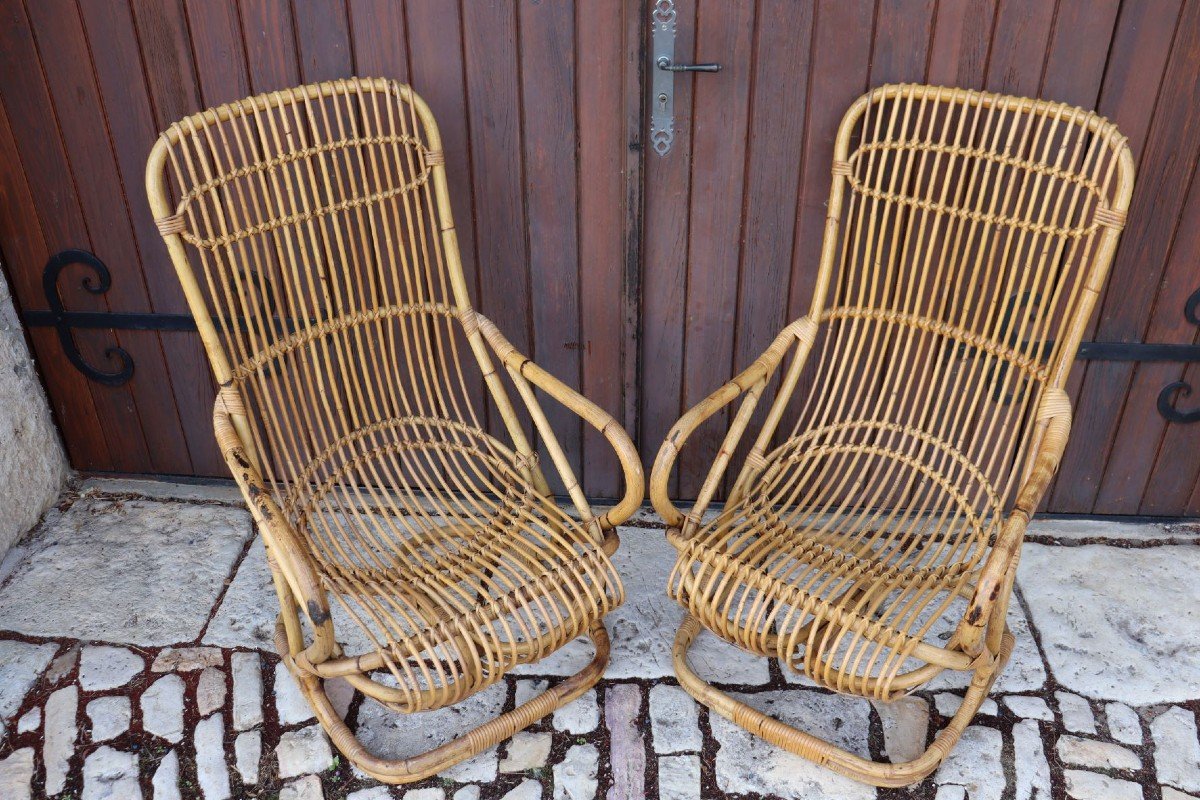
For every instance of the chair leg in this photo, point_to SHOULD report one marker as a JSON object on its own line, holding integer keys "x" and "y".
{"x": 820, "y": 751}
{"x": 419, "y": 767}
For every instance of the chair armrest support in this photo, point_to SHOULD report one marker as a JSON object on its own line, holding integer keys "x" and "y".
{"x": 983, "y": 615}
{"x": 598, "y": 418}
{"x": 283, "y": 544}
{"x": 803, "y": 329}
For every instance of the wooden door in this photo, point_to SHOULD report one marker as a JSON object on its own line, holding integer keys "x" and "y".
{"x": 645, "y": 280}
{"x": 537, "y": 104}
{"x": 734, "y": 211}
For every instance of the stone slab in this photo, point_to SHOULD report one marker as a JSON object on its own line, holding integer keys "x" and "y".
{"x": 110, "y": 717}
{"x": 60, "y": 733}
{"x": 88, "y": 574}
{"x": 16, "y": 774}
{"x": 748, "y": 765}
{"x": 575, "y": 775}
{"x": 1082, "y": 785}
{"x": 975, "y": 764}
{"x": 110, "y": 774}
{"x": 303, "y": 752}
{"x": 20, "y": 666}
{"x": 165, "y": 782}
{"x": 643, "y": 629}
{"x": 389, "y": 734}
{"x": 679, "y": 777}
{"x": 223, "y": 491}
{"x": 1101, "y": 530}
{"x": 162, "y": 708}
{"x": 1024, "y": 671}
{"x": 1109, "y": 639}
{"x": 674, "y": 720}
{"x": 1177, "y": 749}
{"x": 108, "y": 667}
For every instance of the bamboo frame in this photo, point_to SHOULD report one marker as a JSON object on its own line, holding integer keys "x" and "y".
{"x": 325, "y": 278}
{"x": 968, "y": 236}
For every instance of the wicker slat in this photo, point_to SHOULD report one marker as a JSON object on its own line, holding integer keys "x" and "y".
{"x": 311, "y": 231}
{"x": 967, "y": 238}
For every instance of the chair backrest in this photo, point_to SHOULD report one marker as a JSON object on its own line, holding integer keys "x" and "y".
{"x": 969, "y": 235}
{"x": 323, "y": 270}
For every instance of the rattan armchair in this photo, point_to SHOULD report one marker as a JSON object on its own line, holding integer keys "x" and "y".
{"x": 920, "y": 417}
{"x": 312, "y": 233}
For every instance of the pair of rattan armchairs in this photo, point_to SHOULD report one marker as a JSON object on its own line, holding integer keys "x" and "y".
{"x": 918, "y": 411}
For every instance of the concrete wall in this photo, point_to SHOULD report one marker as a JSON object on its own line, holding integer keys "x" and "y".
{"x": 33, "y": 466}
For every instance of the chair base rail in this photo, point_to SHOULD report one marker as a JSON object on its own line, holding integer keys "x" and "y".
{"x": 820, "y": 751}
{"x": 471, "y": 743}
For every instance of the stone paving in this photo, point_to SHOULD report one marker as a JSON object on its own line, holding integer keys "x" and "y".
{"x": 135, "y": 663}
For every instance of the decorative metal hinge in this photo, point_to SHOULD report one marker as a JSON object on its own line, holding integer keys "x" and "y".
{"x": 1173, "y": 391}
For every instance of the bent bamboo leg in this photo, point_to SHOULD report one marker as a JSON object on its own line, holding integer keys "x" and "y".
{"x": 472, "y": 742}
{"x": 820, "y": 751}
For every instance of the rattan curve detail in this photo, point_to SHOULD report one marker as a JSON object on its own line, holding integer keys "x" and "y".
{"x": 414, "y": 553}
{"x": 967, "y": 238}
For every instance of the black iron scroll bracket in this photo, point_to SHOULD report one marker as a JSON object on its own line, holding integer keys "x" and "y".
{"x": 1173, "y": 391}
{"x": 65, "y": 322}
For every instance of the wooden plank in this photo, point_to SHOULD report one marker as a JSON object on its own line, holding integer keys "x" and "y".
{"x": 173, "y": 91}
{"x": 435, "y": 51}
{"x": 1142, "y": 42}
{"x": 323, "y": 36}
{"x": 776, "y": 135}
{"x": 1078, "y": 50}
{"x": 268, "y": 31}
{"x": 725, "y": 33}
{"x": 1171, "y": 150}
{"x": 35, "y": 122}
{"x": 550, "y": 140}
{"x": 1018, "y": 49}
{"x": 106, "y": 214}
{"x": 635, "y": 26}
{"x": 838, "y": 76}
{"x": 378, "y": 30}
{"x": 1171, "y": 489}
{"x": 133, "y": 129}
{"x": 599, "y": 85}
{"x": 494, "y": 104}
{"x": 1141, "y": 429}
{"x": 958, "y": 47}
{"x": 216, "y": 36}
{"x": 25, "y": 252}
{"x": 903, "y": 33}
{"x": 664, "y": 259}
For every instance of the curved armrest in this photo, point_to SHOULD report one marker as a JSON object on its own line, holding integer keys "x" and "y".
{"x": 285, "y": 547}
{"x": 1054, "y": 421}
{"x": 760, "y": 371}
{"x": 598, "y": 418}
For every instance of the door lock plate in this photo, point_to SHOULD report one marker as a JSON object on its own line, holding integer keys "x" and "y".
{"x": 662, "y": 86}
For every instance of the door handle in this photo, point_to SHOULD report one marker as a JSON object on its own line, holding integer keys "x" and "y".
{"x": 662, "y": 84}
{"x": 665, "y": 63}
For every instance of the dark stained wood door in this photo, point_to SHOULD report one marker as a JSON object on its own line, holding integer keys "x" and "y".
{"x": 537, "y": 102}
{"x": 734, "y": 212}
{"x": 643, "y": 280}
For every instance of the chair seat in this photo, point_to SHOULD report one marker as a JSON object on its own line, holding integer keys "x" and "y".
{"x": 452, "y": 590}
{"x": 842, "y": 592}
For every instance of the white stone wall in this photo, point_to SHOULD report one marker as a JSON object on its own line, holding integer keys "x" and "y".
{"x": 33, "y": 466}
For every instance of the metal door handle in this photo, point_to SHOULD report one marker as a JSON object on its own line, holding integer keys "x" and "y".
{"x": 665, "y": 63}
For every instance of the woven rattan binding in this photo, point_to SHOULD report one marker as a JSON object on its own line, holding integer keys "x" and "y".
{"x": 871, "y": 534}
{"x": 425, "y": 556}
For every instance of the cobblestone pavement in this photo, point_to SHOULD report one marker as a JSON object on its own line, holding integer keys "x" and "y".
{"x": 135, "y": 663}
